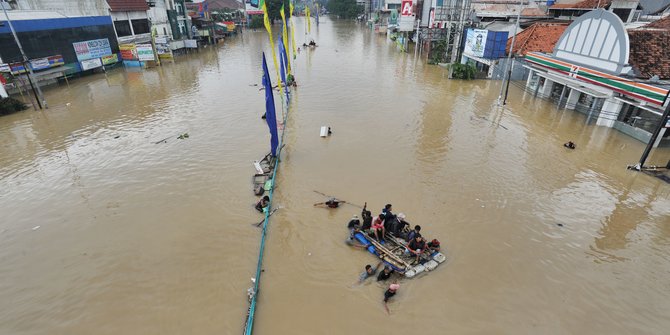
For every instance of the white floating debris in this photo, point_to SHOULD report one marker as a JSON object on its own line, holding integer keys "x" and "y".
{"x": 253, "y": 280}
{"x": 36, "y": 227}
{"x": 324, "y": 131}
{"x": 309, "y": 254}
{"x": 258, "y": 167}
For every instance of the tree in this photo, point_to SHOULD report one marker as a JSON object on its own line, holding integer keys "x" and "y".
{"x": 344, "y": 9}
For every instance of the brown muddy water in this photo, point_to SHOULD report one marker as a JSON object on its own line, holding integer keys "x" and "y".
{"x": 105, "y": 232}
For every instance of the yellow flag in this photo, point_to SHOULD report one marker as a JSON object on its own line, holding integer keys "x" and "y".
{"x": 309, "y": 22}
{"x": 285, "y": 36}
{"x": 290, "y": 17}
{"x": 266, "y": 21}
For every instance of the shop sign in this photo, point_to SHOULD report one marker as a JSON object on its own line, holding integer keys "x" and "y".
{"x": 128, "y": 51}
{"x": 111, "y": 59}
{"x": 406, "y": 22}
{"x": 161, "y": 40}
{"x": 193, "y": 44}
{"x": 92, "y": 49}
{"x": 145, "y": 52}
{"x": 475, "y": 42}
{"x": 89, "y": 64}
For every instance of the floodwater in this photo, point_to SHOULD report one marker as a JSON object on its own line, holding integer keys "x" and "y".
{"x": 105, "y": 232}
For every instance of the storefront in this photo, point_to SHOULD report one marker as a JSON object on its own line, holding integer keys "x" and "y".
{"x": 589, "y": 72}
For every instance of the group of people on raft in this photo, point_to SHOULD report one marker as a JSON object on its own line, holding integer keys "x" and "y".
{"x": 395, "y": 225}
{"x": 387, "y": 223}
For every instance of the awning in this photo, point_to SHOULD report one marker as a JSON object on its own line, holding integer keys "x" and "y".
{"x": 570, "y": 82}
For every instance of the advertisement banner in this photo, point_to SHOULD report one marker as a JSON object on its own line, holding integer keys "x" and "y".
{"x": 90, "y": 64}
{"x": 407, "y": 16}
{"x": 475, "y": 42}
{"x": 145, "y": 52}
{"x": 92, "y": 49}
{"x": 111, "y": 59}
{"x": 128, "y": 51}
{"x": 193, "y": 44}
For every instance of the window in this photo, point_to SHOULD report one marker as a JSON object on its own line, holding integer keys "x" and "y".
{"x": 122, "y": 28}
{"x": 622, "y": 13}
{"x": 638, "y": 117}
{"x": 141, "y": 26}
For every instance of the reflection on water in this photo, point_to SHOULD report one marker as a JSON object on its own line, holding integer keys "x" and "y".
{"x": 106, "y": 231}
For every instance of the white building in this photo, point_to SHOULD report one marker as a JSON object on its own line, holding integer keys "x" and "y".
{"x": 589, "y": 71}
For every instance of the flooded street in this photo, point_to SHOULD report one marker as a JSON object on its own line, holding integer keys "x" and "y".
{"x": 104, "y": 231}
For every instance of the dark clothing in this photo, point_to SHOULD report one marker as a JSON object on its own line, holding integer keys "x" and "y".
{"x": 412, "y": 235}
{"x": 260, "y": 205}
{"x": 397, "y": 227}
{"x": 354, "y": 224}
{"x": 383, "y": 275}
{"x": 435, "y": 247}
{"x": 367, "y": 222}
{"x": 388, "y": 294}
{"x": 332, "y": 203}
{"x": 415, "y": 245}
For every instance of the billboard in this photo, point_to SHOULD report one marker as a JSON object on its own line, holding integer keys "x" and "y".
{"x": 92, "y": 49}
{"x": 89, "y": 64}
{"x": 475, "y": 42}
{"x": 145, "y": 52}
{"x": 407, "y": 16}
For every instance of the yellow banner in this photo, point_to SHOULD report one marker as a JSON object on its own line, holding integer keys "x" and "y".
{"x": 290, "y": 17}
{"x": 309, "y": 22}
{"x": 266, "y": 21}
{"x": 285, "y": 37}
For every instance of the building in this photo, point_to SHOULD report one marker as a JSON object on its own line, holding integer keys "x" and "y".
{"x": 58, "y": 37}
{"x": 626, "y": 10}
{"x": 614, "y": 76}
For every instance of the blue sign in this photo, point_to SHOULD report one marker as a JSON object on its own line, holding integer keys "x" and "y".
{"x": 92, "y": 49}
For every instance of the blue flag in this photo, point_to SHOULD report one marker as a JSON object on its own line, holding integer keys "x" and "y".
{"x": 270, "y": 115}
{"x": 283, "y": 61}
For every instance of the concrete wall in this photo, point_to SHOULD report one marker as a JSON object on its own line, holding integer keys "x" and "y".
{"x": 67, "y": 7}
{"x": 159, "y": 18}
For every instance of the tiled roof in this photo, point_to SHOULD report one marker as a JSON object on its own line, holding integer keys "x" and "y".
{"x": 539, "y": 37}
{"x": 586, "y": 4}
{"x": 221, "y": 4}
{"x": 663, "y": 23}
{"x": 648, "y": 52}
{"x": 127, "y": 5}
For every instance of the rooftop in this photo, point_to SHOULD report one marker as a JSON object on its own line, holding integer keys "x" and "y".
{"x": 648, "y": 49}
{"x": 663, "y": 23}
{"x": 539, "y": 37}
{"x": 585, "y": 4}
{"x": 127, "y": 5}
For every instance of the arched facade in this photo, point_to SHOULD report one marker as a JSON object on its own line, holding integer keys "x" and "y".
{"x": 597, "y": 39}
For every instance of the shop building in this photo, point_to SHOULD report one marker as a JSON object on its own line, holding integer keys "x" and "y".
{"x": 618, "y": 78}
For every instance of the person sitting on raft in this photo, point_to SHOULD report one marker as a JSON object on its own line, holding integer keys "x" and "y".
{"x": 353, "y": 226}
{"x": 434, "y": 245}
{"x": 417, "y": 246}
{"x": 413, "y": 233}
{"x": 378, "y": 227}
{"x": 399, "y": 226}
{"x": 367, "y": 220}
{"x": 262, "y": 204}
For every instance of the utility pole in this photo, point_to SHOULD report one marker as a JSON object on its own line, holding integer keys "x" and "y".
{"x": 38, "y": 93}
{"x": 510, "y": 60}
{"x": 652, "y": 140}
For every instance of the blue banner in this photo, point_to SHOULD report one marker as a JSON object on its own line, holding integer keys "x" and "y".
{"x": 283, "y": 61}
{"x": 270, "y": 115}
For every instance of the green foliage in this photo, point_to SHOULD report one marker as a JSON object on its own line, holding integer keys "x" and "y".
{"x": 256, "y": 22}
{"x": 11, "y": 105}
{"x": 344, "y": 9}
{"x": 438, "y": 52}
{"x": 463, "y": 71}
